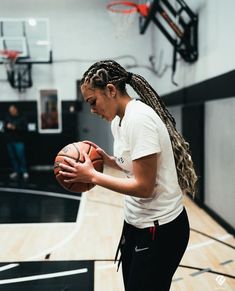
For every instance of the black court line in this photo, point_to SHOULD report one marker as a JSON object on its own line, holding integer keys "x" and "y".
{"x": 177, "y": 279}
{"x": 226, "y": 262}
{"x": 202, "y": 270}
{"x": 214, "y": 238}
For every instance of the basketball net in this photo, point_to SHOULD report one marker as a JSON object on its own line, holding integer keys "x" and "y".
{"x": 9, "y": 58}
{"x": 122, "y": 18}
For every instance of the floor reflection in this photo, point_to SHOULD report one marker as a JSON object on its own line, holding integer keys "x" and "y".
{"x": 40, "y": 199}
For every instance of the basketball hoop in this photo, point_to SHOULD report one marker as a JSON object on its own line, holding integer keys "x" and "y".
{"x": 123, "y": 14}
{"x": 18, "y": 74}
{"x": 9, "y": 58}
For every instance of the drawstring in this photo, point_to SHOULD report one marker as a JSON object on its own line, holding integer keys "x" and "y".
{"x": 121, "y": 242}
{"x": 152, "y": 230}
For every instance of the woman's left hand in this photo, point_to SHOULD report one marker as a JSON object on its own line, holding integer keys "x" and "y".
{"x": 77, "y": 171}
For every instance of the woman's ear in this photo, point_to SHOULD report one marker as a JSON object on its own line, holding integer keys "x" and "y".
{"x": 111, "y": 90}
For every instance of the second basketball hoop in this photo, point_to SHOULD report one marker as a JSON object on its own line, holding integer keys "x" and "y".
{"x": 9, "y": 58}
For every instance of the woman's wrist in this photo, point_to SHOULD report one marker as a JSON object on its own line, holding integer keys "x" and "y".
{"x": 114, "y": 164}
{"x": 94, "y": 178}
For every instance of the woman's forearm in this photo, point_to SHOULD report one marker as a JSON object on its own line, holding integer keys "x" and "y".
{"x": 121, "y": 185}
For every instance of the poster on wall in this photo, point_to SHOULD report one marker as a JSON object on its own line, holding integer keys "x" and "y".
{"x": 49, "y": 111}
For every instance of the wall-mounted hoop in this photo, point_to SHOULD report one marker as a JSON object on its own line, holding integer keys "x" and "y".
{"x": 9, "y": 58}
{"x": 10, "y": 53}
{"x": 18, "y": 74}
{"x": 124, "y": 13}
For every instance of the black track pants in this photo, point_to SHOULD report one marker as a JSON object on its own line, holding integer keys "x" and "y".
{"x": 150, "y": 256}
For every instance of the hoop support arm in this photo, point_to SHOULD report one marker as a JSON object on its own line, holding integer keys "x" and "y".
{"x": 187, "y": 45}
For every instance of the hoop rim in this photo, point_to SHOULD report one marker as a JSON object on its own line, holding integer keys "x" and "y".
{"x": 10, "y": 54}
{"x": 142, "y": 9}
{"x": 111, "y": 6}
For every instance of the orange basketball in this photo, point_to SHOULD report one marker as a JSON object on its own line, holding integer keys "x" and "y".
{"x": 74, "y": 151}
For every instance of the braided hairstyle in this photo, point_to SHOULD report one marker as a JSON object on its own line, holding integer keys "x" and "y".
{"x": 110, "y": 72}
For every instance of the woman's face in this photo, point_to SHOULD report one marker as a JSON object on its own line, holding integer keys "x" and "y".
{"x": 102, "y": 101}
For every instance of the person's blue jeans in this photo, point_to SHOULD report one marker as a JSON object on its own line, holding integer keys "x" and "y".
{"x": 16, "y": 152}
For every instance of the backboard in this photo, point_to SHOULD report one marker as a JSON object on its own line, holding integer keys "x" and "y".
{"x": 29, "y": 36}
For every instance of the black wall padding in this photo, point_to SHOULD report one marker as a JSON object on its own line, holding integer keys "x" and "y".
{"x": 193, "y": 132}
{"x": 219, "y": 87}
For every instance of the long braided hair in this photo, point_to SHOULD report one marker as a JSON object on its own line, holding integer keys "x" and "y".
{"x": 108, "y": 71}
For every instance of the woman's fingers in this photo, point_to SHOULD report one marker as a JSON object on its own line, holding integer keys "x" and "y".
{"x": 98, "y": 149}
{"x": 67, "y": 174}
{"x": 91, "y": 143}
{"x": 71, "y": 162}
{"x": 86, "y": 156}
{"x": 76, "y": 171}
{"x": 68, "y": 168}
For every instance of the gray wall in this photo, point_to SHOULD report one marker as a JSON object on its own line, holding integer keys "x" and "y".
{"x": 220, "y": 158}
{"x": 93, "y": 128}
{"x": 176, "y": 112}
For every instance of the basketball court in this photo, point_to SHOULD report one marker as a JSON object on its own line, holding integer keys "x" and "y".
{"x": 54, "y": 239}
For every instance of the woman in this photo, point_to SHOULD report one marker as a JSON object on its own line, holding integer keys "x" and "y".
{"x": 156, "y": 160}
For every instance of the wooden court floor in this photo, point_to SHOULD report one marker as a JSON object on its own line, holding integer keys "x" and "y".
{"x": 208, "y": 264}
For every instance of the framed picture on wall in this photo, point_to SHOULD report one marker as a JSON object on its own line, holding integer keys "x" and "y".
{"x": 49, "y": 111}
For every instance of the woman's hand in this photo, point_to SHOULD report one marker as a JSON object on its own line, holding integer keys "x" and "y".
{"x": 108, "y": 160}
{"x": 76, "y": 171}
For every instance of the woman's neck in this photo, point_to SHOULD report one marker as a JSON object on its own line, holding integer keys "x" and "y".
{"x": 122, "y": 103}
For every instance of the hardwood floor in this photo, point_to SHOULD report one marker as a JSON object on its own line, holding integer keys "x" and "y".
{"x": 208, "y": 264}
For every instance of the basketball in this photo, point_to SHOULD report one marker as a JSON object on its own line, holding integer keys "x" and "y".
{"x": 74, "y": 151}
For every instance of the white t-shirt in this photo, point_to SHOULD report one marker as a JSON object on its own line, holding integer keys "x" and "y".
{"x": 142, "y": 133}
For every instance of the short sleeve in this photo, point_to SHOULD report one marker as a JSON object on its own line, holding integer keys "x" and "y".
{"x": 142, "y": 135}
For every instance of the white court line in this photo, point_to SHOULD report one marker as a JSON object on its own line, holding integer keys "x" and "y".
{"x": 80, "y": 214}
{"x": 208, "y": 242}
{"x": 43, "y": 253}
{"x": 7, "y": 267}
{"x": 43, "y": 276}
{"x": 37, "y": 192}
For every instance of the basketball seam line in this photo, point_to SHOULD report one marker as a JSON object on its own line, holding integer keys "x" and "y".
{"x": 90, "y": 148}
{"x": 77, "y": 160}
